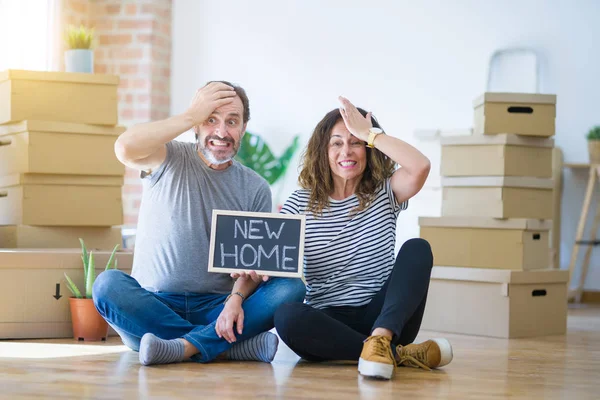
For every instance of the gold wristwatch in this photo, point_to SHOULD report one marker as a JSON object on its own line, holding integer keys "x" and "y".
{"x": 373, "y": 132}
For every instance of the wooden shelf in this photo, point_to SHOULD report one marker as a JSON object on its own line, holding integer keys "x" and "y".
{"x": 593, "y": 176}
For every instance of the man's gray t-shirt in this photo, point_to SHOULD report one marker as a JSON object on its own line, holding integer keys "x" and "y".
{"x": 173, "y": 234}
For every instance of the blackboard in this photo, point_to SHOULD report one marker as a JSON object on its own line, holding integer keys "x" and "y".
{"x": 268, "y": 243}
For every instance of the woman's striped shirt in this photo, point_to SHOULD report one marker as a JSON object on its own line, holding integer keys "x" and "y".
{"x": 347, "y": 258}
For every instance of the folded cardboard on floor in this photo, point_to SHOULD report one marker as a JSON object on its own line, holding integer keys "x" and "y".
{"x": 496, "y": 155}
{"x": 49, "y": 147}
{"x": 61, "y": 200}
{"x": 498, "y": 197}
{"x": 28, "y": 279}
{"x": 59, "y": 237}
{"x": 58, "y": 96}
{"x": 497, "y": 303}
{"x": 529, "y": 114}
{"x": 479, "y": 242}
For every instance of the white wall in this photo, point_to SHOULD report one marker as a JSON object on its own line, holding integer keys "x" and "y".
{"x": 414, "y": 64}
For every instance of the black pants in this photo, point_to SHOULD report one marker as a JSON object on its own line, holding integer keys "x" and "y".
{"x": 337, "y": 333}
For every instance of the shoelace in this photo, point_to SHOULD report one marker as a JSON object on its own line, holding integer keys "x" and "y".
{"x": 413, "y": 359}
{"x": 382, "y": 347}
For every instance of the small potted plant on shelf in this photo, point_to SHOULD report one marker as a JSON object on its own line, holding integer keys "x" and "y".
{"x": 88, "y": 324}
{"x": 79, "y": 56}
{"x": 593, "y": 139}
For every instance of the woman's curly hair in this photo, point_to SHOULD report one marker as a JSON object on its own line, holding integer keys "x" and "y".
{"x": 315, "y": 174}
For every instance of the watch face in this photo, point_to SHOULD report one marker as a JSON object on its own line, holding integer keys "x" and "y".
{"x": 376, "y": 130}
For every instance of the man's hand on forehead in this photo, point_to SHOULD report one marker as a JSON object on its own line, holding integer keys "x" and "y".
{"x": 207, "y": 99}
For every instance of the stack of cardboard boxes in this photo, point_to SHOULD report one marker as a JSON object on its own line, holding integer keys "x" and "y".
{"x": 491, "y": 245}
{"x": 59, "y": 176}
{"x": 59, "y": 181}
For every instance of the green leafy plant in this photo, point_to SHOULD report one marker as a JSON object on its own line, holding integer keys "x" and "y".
{"x": 89, "y": 271}
{"x": 594, "y": 133}
{"x": 79, "y": 38}
{"x": 256, "y": 154}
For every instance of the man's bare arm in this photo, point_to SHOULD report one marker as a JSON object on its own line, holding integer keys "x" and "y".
{"x": 143, "y": 147}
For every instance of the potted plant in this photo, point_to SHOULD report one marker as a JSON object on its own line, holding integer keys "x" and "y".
{"x": 79, "y": 56}
{"x": 88, "y": 324}
{"x": 256, "y": 154}
{"x": 593, "y": 138}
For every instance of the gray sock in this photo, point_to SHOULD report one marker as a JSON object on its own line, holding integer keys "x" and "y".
{"x": 261, "y": 347}
{"x": 154, "y": 350}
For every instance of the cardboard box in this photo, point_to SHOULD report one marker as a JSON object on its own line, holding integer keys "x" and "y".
{"x": 58, "y": 96}
{"x": 497, "y": 155}
{"x": 497, "y": 303}
{"x": 28, "y": 280}
{"x": 49, "y": 147}
{"x": 519, "y": 113}
{"x": 498, "y": 197}
{"x": 516, "y": 244}
{"x": 61, "y": 200}
{"x": 59, "y": 237}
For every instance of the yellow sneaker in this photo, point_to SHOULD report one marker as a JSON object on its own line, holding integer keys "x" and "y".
{"x": 377, "y": 358}
{"x": 430, "y": 354}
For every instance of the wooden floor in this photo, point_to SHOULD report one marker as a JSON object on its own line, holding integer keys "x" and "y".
{"x": 559, "y": 367}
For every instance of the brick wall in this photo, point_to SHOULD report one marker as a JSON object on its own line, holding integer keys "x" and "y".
{"x": 134, "y": 42}
{"x": 75, "y": 12}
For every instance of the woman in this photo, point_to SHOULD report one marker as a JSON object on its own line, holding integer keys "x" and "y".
{"x": 361, "y": 301}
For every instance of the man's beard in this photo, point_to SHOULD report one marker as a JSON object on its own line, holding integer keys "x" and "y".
{"x": 219, "y": 158}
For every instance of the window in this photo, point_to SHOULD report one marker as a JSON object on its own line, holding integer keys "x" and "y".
{"x": 28, "y": 34}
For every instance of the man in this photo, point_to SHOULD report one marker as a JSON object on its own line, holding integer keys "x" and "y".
{"x": 171, "y": 309}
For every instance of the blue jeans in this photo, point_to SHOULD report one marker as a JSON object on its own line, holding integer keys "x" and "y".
{"x": 133, "y": 311}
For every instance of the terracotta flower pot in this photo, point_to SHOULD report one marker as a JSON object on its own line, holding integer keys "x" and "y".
{"x": 594, "y": 151}
{"x": 88, "y": 324}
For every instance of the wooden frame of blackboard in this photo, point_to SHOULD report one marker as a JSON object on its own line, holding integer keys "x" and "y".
{"x": 296, "y": 274}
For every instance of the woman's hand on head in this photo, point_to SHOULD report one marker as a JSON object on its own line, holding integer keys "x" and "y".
{"x": 355, "y": 122}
